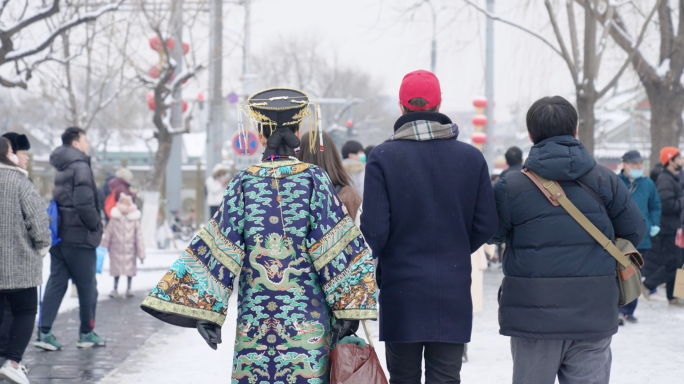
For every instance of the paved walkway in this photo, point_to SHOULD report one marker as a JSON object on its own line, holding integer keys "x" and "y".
{"x": 120, "y": 322}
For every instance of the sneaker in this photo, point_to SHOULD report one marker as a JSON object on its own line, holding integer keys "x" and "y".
{"x": 90, "y": 339}
{"x": 113, "y": 294}
{"x": 47, "y": 341}
{"x": 656, "y": 296}
{"x": 12, "y": 372}
{"x": 631, "y": 319}
{"x": 621, "y": 320}
{"x": 129, "y": 293}
{"x": 676, "y": 303}
{"x": 646, "y": 294}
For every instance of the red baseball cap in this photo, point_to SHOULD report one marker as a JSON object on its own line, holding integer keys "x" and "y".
{"x": 423, "y": 84}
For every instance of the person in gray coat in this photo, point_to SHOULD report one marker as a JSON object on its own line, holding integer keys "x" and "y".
{"x": 24, "y": 240}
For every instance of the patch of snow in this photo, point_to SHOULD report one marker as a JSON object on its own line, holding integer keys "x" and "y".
{"x": 663, "y": 68}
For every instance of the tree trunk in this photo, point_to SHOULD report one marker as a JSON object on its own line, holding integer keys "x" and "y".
{"x": 161, "y": 158}
{"x": 667, "y": 103}
{"x": 587, "y": 120}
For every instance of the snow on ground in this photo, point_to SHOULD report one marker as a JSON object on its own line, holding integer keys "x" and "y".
{"x": 648, "y": 352}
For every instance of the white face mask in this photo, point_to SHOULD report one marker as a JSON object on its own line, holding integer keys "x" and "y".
{"x": 13, "y": 158}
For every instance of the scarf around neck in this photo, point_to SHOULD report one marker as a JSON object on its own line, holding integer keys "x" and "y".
{"x": 424, "y": 130}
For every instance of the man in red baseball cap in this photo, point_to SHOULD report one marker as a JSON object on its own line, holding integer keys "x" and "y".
{"x": 428, "y": 204}
{"x": 420, "y": 91}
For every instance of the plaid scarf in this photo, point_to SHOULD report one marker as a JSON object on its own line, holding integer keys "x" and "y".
{"x": 424, "y": 130}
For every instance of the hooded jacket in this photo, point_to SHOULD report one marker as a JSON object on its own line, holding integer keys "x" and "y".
{"x": 123, "y": 240}
{"x": 670, "y": 192}
{"x": 357, "y": 171}
{"x": 645, "y": 195}
{"x": 119, "y": 186}
{"x": 427, "y": 205}
{"x": 80, "y": 223}
{"x": 559, "y": 282}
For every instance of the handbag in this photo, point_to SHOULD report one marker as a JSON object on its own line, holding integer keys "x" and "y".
{"x": 351, "y": 364}
{"x": 100, "y": 253}
{"x": 629, "y": 276}
{"x": 679, "y": 239}
{"x": 679, "y": 284}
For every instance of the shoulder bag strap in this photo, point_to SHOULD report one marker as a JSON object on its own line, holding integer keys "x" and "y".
{"x": 553, "y": 189}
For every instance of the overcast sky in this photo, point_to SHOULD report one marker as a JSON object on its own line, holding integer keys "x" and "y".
{"x": 373, "y": 35}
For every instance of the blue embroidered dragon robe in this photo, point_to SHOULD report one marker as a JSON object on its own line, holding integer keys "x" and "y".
{"x": 303, "y": 263}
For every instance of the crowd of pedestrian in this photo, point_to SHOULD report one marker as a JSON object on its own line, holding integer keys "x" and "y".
{"x": 28, "y": 233}
{"x": 405, "y": 227}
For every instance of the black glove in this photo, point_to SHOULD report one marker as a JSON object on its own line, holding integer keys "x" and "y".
{"x": 341, "y": 329}
{"x": 210, "y": 332}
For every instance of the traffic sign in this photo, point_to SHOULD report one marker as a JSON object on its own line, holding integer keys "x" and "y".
{"x": 252, "y": 144}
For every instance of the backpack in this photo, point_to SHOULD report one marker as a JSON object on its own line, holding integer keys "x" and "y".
{"x": 110, "y": 202}
{"x": 53, "y": 213}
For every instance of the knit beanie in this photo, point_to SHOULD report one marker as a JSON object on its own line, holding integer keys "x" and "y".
{"x": 124, "y": 174}
{"x": 667, "y": 154}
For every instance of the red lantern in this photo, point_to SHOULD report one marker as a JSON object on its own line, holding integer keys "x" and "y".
{"x": 480, "y": 102}
{"x": 479, "y": 138}
{"x": 156, "y": 43}
{"x": 154, "y": 71}
{"x": 185, "y": 106}
{"x": 200, "y": 96}
{"x": 186, "y": 48}
{"x": 151, "y": 104}
{"x": 479, "y": 120}
{"x": 150, "y": 96}
{"x": 170, "y": 44}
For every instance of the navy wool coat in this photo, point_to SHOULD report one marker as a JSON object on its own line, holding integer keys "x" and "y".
{"x": 427, "y": 205}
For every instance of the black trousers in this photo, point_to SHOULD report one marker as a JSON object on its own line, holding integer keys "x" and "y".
{"x": 5, "y": 324}
{"x": 442, "y": 362}
{"x": 77, "y": 264}
{"x": 24, "y": 306}
{"x": 668, "y": 257}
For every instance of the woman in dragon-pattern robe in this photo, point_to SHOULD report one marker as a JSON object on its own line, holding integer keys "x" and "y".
{"x": 303, "y": 263}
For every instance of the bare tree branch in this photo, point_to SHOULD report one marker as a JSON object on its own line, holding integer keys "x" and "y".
{"x": 572, "y": 25}
{"x": 572, "y": 65}
{"x": 632, "y": 54}
{"x": 512, "y": 24}
{"x": 43, "y": 14}
{"x": 16, "y": 55}
{"x": 604, "y": 36}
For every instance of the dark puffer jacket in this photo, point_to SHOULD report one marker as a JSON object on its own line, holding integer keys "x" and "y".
{"x": 671, "y": 194}
{"x": 559, "y": 282}
{"x": 80, "y": 223}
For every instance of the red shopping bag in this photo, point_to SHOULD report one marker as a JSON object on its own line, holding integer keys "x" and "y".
{"x": 351, "y": 364}
{"x": 679, "y": 239}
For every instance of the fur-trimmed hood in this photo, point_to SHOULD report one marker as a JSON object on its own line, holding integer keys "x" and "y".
{"x": 14, "y": 168}
{"x": 133, "y": 216}
{"x": 353, "y": 166}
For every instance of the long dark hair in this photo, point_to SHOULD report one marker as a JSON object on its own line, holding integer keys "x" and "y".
{"x": 329, "y": 160}
{"x": 5, "y": 146}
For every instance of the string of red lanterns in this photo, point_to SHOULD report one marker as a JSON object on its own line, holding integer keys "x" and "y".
{"x": 157, "y": 45}
{"x": 479, "y": 121}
